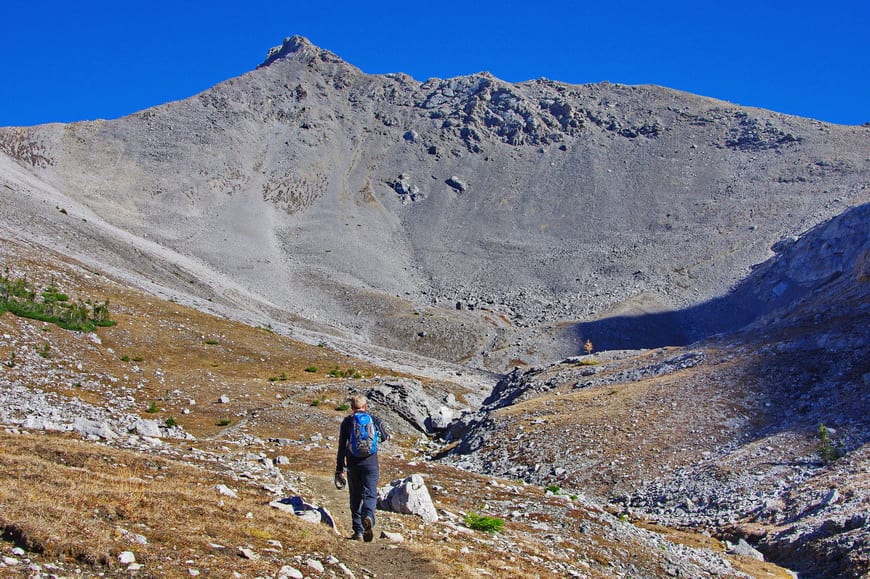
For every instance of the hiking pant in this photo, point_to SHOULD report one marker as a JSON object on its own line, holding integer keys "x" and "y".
{"x": 362, "y": 485}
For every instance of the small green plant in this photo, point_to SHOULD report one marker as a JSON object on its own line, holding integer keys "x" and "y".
{"x": 153, "y": 408}
{"x": 343, "y": 407}
{"x": 349, "y": 373}
{"x": 212, "y": 342}
{"x": 125, "y": 358}
{"x": 827, "y": 451}
{"x": 312, "y": 369}
{"x": 280, "y": 378}
{"x": 170, "y": 422}
{"x": 224, "y": 422}
{"x": 316, "y": 402}
{"x": 138, "y": 359}
{"x": 44, "y": 351}
{"x": 484, "y": 523}
{"x": 554, "y": 489}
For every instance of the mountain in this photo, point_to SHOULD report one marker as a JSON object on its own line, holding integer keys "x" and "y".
{"x": 466, "y": 219}
{"x": 463, "y": 240}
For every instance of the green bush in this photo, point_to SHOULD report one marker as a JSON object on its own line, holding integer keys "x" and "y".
{"x": 170, "y": 422}
{"x": 212, "y": 342}
{"x": 153, "y": 408}
{"x": 343, "y": 407}
{"x": 484, "y": 523}
{"x": 55, "y": 307}
{"x": 223, "y": 422}
{"x": 312, "y": 369}
{"x": 827, "y": 451}
{"x": 555, "y": 489}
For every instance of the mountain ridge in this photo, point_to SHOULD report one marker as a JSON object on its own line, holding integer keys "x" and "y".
{"x": 502, "y": 143}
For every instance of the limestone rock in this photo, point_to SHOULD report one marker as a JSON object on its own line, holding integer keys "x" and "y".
{"x": 410, "y": 496}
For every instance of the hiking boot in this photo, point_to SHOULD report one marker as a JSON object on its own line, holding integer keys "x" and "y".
{"x": 368, "y": 533}
{"x": 356, "y": 537}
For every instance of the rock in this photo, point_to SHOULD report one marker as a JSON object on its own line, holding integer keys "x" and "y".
{"x": 315, "y": 564}
{"x": 746, "y": 550}
{"x": 457, "y": 184}
{"x": 248, "y": 554}
{"x": 126, "y": 557}
{"x": 406, "y": 398}
{"x": 288, "y": 572}
{"x": 408, "y": 496}
{"x": 308, "y": 512}
{"x": 392, "y": 537}
{"x": 226, "y": 491}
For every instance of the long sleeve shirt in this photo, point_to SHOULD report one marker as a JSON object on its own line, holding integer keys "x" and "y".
{"x": 344, "y": 459}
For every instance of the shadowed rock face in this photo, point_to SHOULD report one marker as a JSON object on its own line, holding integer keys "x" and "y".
{"x": 465, "y": 219}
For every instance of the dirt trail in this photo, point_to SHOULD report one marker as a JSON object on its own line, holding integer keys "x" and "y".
{"x": 380, "y": 558}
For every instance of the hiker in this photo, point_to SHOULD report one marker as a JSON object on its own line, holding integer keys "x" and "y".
{"x": 357, "y": 451}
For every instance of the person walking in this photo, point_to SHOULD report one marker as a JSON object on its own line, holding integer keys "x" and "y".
{"x": 358, "y": 441}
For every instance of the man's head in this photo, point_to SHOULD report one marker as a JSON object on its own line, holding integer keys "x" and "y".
{"x": 358, "y": 402}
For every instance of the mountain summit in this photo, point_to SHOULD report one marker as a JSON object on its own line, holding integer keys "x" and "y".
{"x": 467, "y": 220}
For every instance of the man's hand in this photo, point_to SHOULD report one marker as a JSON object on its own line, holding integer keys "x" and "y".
{"x": 339, "y": 480}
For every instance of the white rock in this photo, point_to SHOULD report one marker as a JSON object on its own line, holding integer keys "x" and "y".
{"x": 226, "y": 491}
{"x": 289, "y": 572}
{"x": 315, "y": 564}
{"x": 392, "y": 537}
{"x": 126, "y": 557}
{"x": 408, "y": 496}
{"x": 248, "y": 553}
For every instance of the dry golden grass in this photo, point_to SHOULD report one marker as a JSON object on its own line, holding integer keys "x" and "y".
{"x": 66, "y": 499}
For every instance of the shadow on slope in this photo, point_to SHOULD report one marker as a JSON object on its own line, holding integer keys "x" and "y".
{"x": 800, "y": 268}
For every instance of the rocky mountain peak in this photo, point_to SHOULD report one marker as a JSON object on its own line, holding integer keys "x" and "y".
{"x": 298, "y": 47}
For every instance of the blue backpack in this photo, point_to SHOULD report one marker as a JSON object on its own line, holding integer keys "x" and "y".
{"x": 363, "y": 435}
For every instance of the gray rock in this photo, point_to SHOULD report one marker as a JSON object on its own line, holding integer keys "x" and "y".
{"x": 410, "y": 496}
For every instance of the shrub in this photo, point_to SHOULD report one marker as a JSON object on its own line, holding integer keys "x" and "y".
{"x": 343, "y": 407}
{"x": 555, "y": 489}
{"x": 125, "y": 358}
{"x": 312, "y": 369}
{"x": 224, "y": 422}
{"x": 484, "y": 523}
{"x": 55, "y": 307}
{"x": 153, "y": 408}
{"x": 827, "y": 451}
{"x": 170, "y": 422}
{"x": 212, "y": 342}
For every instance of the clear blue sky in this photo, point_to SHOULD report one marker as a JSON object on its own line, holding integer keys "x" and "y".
{"x": 77, "y": 60}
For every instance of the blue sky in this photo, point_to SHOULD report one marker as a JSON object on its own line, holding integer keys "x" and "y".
{"x": 78, "y": 60}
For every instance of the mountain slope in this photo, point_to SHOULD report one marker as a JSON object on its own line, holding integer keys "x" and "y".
{"x": 356, "y": 201}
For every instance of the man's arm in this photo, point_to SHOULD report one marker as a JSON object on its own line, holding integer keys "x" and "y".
{"x": 343, "y": 435}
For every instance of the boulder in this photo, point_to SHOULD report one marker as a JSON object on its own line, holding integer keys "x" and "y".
{"x": 408, "y": 496}
{"x": 406, "y": 398}
{"x": 308, "y": 512}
